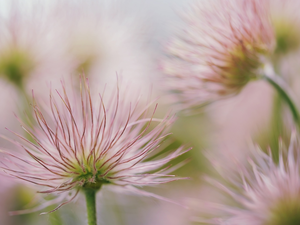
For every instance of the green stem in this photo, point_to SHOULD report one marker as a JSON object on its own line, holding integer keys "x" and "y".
{"x": 90, "y": 197}
{"x": 25, "y": 111}
{"x": 282, "y": 90}
{"x": 25, "y": 107}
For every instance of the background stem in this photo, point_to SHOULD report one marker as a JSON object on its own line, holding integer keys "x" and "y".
{"x": 90, "y": 197}
{"x": 283, "y": 91}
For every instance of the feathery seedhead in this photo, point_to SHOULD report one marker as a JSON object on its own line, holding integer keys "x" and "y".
{"x": 85, "y": 142}
{"x": 263, "y": 192}
{"x": 223, "y": 47}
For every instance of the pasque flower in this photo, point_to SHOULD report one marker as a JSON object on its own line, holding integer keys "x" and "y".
{"x": 222, "y": 48}
{"x": 263, "y": 192}
{"x": 84, "y": 142}
{"x": 98, "y": 36}
{"x": 27, "y": 41}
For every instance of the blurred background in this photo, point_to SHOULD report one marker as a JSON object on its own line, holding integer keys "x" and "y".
{"x": 42, "y": 42}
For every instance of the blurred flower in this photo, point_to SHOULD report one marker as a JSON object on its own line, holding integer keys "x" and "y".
{"x": 82, "y": 34}
{"x": 27, "y": 43}
{"x": 99, "y": 38}
{"x": 286, "y": 23}
{"x": 263, "y": 192}
{"x": 86, "y": 142}
{"x": 223, "y": 47}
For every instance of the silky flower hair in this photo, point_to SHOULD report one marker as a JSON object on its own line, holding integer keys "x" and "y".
{"x": 222, "y": 48}
{"x": 262, "y": 193}
{"x": 84, "y": 142}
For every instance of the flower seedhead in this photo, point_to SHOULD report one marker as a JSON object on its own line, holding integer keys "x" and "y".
{"x": 85, "y": 142}
{"x": 261, "y": 192}
{"x": 223, "y": 47}
{"x": 16, "y": 65}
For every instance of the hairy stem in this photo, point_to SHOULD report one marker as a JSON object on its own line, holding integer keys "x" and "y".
{"x": 90, "y": 197}
{"x": 282, "y": 90}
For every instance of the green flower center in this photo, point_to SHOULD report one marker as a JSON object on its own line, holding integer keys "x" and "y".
{"x": 84, "y": 50}
{"x": 287, "y": 35}
{"x": 288, "y": 213}
{"x": 86, "y": 64}
{"x": 90, "y": 176}
{"x": 242, "y": 63}
{"x": 15, "y": 65}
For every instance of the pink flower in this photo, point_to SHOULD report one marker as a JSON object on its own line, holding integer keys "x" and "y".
{"x": 222, "y": 48}
{"x": 100, "y": 39}
{"x": 262, "y": 192}
{"x": 86, "y": 142}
